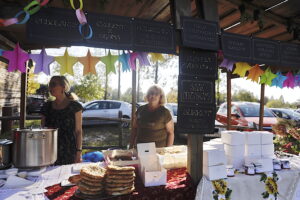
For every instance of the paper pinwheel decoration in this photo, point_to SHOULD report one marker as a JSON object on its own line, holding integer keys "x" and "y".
{"x": 254, "y": 73}
{"x": 143, "y": 60}
{"x": 228, "y": 64}
{"x": 290, "y": 81}
{"x": 16, "y": 58}
{"x": 42, "y": 62}
{"x": 278, "y": 81}
{"x": 241, "y": 68}
{"x": 66, "y": 63}
{"x": 124, "y": 58}
{"x": 267, "y": 77}
{"x": 109, "y": 62}
{"x": 155, "y": 57}
{"x": 89, "y": 62}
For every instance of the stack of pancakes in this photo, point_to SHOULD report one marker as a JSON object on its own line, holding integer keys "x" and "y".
{"x": 119, "y": 180}
{"x": 92, "y": 180}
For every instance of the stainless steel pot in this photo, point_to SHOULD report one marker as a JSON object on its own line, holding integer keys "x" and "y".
{"x": 5, "y": 153}
{"x": 34, "y": 147}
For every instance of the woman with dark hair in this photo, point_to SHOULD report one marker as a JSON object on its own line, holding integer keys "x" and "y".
{"x": 153, "y": 122}
{"x": 64, "y": 113}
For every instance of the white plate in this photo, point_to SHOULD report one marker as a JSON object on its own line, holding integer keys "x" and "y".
{"x": 66, "y": 183}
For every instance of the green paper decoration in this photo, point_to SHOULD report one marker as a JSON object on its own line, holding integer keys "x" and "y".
{"x": 267, "y": 77}
{"x": 109, "y": 62}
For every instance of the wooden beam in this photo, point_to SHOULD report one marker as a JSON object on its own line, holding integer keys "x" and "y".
{"x": 7, "y": 42}
{"x": 261, "y": 108}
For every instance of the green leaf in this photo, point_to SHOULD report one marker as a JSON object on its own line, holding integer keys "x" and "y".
{"x": 265, "y": 195}
{"x": 263, "y": 177}
{"x": 228, "y": 193}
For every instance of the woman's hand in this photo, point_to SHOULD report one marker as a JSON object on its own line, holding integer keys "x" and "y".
{"x": 78, "y": 158}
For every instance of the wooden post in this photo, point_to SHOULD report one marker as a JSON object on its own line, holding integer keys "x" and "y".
{"x": 23, "y": 100}
{"x": 156, "y": 73}
{"x": 6, "y": 125}
{"x": 120, "y": 114}
{"x": 119, "y": 79}
{"x": 228, "y": 100}
{"x": 261, "y": 107}
{"x": 133, "y": 100}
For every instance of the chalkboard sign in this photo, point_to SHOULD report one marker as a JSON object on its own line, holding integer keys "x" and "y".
{"x": 197, "y": 62}
{"x": 265, "y": 51}
{"x": 196, "y": 91}
{"x": 60, "y": 27}
{"x": 53, "y": 26}
{"x": 196, "y": 119}
{"x": 290, "y": 55}
{"x": 199, "y": 33}
{"x": 153, "y": 36}
{"x": 236, "y": 47}
{"x": 110, "y": 31}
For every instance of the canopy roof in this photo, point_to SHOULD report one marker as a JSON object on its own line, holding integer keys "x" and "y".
{"x": 275, "y": 20}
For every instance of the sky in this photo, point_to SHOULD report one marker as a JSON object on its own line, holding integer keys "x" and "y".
{"x": 166, "y": 77}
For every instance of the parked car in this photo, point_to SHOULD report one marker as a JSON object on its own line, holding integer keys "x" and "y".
{"x": 107, "y": 109}
{"x": 172, "y": 107}
{"x": 246, "y": 114}
{"x": 286, "y": 113}
{"x": 34, "y": 104}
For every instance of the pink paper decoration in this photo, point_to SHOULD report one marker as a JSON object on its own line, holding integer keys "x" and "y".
{"x": 290, "y": 81}
{"x": 17, "y": 59}
{"x": 143, "y": 60}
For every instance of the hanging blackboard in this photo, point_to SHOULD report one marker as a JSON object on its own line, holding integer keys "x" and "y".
{"x": 196, "y": 119}
{"x": 56, "y": 26}
{"x": 195, "y": 62}
{"x": 196, "y": 91}
{"x": 199, "y": 33}
{"x": 265, "y": 51}
{"x": 236, "y": 47}
{"x": 290, "y": 55}
{"x": 153, "y": 36}
{"x": 53, "y": 26}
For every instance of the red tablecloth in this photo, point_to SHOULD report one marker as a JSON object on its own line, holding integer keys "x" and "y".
{"x": 179, "y": 187}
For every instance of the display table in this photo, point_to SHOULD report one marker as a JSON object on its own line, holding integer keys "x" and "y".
{"x": 283, "y": 185}
{"x": 180, "y": 186}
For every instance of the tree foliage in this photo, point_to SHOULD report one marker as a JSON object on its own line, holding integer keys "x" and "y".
{"x": 172, "y": 96}
{"x": 89, "y": 88}
{"x": 244, "y": 95}
{"x": 32, "y": 84}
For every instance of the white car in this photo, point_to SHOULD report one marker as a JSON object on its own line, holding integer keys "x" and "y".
{"x": 107, "y": 109}
{"x": 172, "y": 107}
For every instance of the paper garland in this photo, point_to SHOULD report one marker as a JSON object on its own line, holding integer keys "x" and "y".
{"x": 66, "y": 62}
{"x": 17, "y": 59}
{"x": 267, "y": 77}
{"x": 109, "y": 62}
{"x": 141, "y": 56}
{"x": 290, "y": 81}
{"x": 42, "y": 62}
{"x": 278, "y": 81}
{"x": 155, "y": 57}
{"x": 254, "y": 73}
{"x": 89, "y": 62}
{"x": 241, "y": 68}
{"x": 228, "y": 64}
{"x": 124, "y": 58}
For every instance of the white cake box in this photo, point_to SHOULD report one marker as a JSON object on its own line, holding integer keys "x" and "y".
{"x": 267, "y": 150}
{"x": 253, "y": 150}
{"x": 218, "y": 145}
{"x": 233, "y": 137}
{"x": 150, "y": 169}
{"x": 214, "y": 172}
{"x": 219, "y": 140}
{"x": 173, "y": 157}
{"x": 236, "y": 162}
{"x": 213, "y": 156}
{"x": 234, "y": 150}
{"x": 266, "y": 137}
{"x": 252, "y": 137}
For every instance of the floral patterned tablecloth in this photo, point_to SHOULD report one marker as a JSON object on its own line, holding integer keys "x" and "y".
{"x": 179, "y": 186}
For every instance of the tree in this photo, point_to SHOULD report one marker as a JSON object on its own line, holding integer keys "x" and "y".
{"x": 32, "y": 84}
{"x": 89, "y": 88}
{"x": 276, "y": 103}
{"x": 172, "y": 96}
{"x": 244, "y": 95}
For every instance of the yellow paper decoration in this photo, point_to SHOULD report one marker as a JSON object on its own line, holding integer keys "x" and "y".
{"x": 156, "y": 57}
{"x": 89, "y": 62}
{"x": 66, "y": 62}
{"x": 254, "y": 73}
{"x": 241, "y": 68}
{"x": 109, "y": 62}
